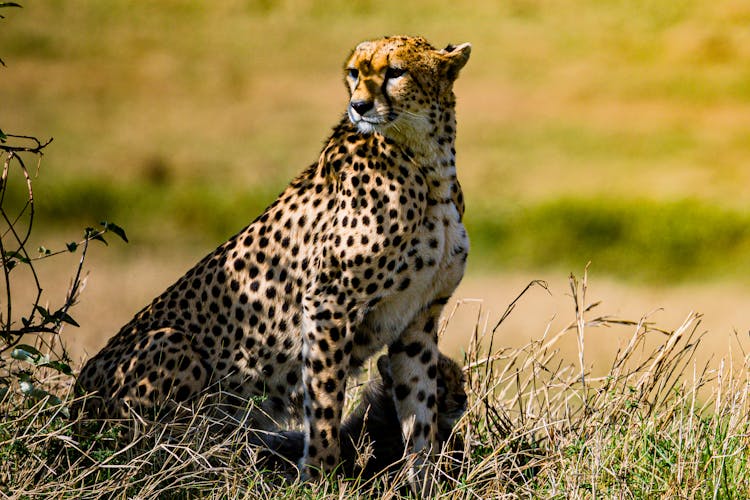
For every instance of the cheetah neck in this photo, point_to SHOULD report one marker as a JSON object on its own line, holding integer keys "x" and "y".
{"x": 434, "y": 154}
{"x": 430, "y": 149}
{"x": 431, "y": 142}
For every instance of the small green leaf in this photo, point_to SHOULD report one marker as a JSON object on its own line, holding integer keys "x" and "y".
{"x": 29, "y": 348}
{"x": 17, "y": 256}
{"x": 65, "y": 411}
{"x": 38, "y": 394}
{"x": 23, "y": 355}
{"x": 2, "y": 134}
{"x": 29, "y": 390}
{"x": 93, "y": 234}
{"x": 111, "y": 226}
{"x": 59, "y": 366}
{"x": 45, "y": 313}
{"x": 72, "y": 246}
{"x": 27, "y": 387}
{"x": 65, "y": 318}
{"x": 44, "y": 250}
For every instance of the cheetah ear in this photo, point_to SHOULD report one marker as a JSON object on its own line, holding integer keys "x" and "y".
{"x": 454, "y": 58}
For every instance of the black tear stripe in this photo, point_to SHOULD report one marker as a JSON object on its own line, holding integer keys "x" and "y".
{"x": 386, "y": 98}
{"x": 383, "y": 91}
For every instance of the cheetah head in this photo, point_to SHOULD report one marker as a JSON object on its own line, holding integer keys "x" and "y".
{"x": 396, "y": 84}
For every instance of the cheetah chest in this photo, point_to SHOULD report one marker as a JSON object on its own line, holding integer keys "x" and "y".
{"x": 432, "y": 266}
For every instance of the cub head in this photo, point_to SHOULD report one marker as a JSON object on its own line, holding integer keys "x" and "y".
{"x": 451, "y": 392}
{"x": 397, "y": 84}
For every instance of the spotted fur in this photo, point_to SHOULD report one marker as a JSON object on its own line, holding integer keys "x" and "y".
{"x": 369, "y": 444}
{"x": 361, "y": 251}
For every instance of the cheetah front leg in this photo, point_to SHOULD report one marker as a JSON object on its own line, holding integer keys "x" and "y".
{"x": 326, "y": 352}
{"x": 413, "y": 357}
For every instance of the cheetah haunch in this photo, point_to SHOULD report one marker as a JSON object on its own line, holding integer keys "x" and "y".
{"x": 361, "y": 251}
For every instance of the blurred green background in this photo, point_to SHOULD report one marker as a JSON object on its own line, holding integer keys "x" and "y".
{"x": 611, "y": 131}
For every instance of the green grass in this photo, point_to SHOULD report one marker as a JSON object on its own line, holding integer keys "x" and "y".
{"x": 633, "y": 239}
{"x": 628, "y": 238}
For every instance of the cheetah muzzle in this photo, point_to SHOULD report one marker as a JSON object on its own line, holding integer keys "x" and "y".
{"x": 361, "y": 251}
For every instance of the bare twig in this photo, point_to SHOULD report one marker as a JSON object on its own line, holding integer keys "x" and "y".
{"x": 37, "y": 149}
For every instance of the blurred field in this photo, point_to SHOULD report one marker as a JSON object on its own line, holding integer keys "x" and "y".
{"x": 611, "y": 131}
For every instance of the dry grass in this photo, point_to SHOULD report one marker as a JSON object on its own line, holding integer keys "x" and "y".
{"x": 656, "y": 425}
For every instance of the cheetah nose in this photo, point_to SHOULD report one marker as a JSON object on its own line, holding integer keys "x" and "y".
{"x": 362, "y": 107}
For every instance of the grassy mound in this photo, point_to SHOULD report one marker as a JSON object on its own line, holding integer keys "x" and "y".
{"x": 537, "y": 426}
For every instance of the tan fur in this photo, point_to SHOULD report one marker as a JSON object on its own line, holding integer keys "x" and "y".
{"x": 361, "y": 251}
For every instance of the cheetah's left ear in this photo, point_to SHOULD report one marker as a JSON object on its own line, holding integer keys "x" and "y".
{"x": 455, "y": 57}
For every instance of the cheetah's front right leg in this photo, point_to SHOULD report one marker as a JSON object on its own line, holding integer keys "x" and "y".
{"x": 325, "y": 354}
{"x": 413, "y": 358}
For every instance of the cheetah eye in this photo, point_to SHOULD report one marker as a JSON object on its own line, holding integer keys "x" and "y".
{"x": 353, "y": 73}
{"x": 393, "y": 73}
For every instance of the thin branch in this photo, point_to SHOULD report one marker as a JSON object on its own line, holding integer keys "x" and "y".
{"x": 22, "y": 240}
{"x": 37, "y": 149}
{"x": 73, "y": 291}
{"x": 6, "y": 271}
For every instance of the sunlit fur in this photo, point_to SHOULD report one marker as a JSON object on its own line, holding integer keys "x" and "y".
{"x": 360, "y": 252}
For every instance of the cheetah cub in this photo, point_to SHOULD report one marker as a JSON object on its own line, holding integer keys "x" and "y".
{"x": 362, "y": 250}
{"x": 373, "y": 422}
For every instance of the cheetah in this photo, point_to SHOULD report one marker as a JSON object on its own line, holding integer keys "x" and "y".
{"x": 362, "y": 250}
{"x": 373, "y": 420}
